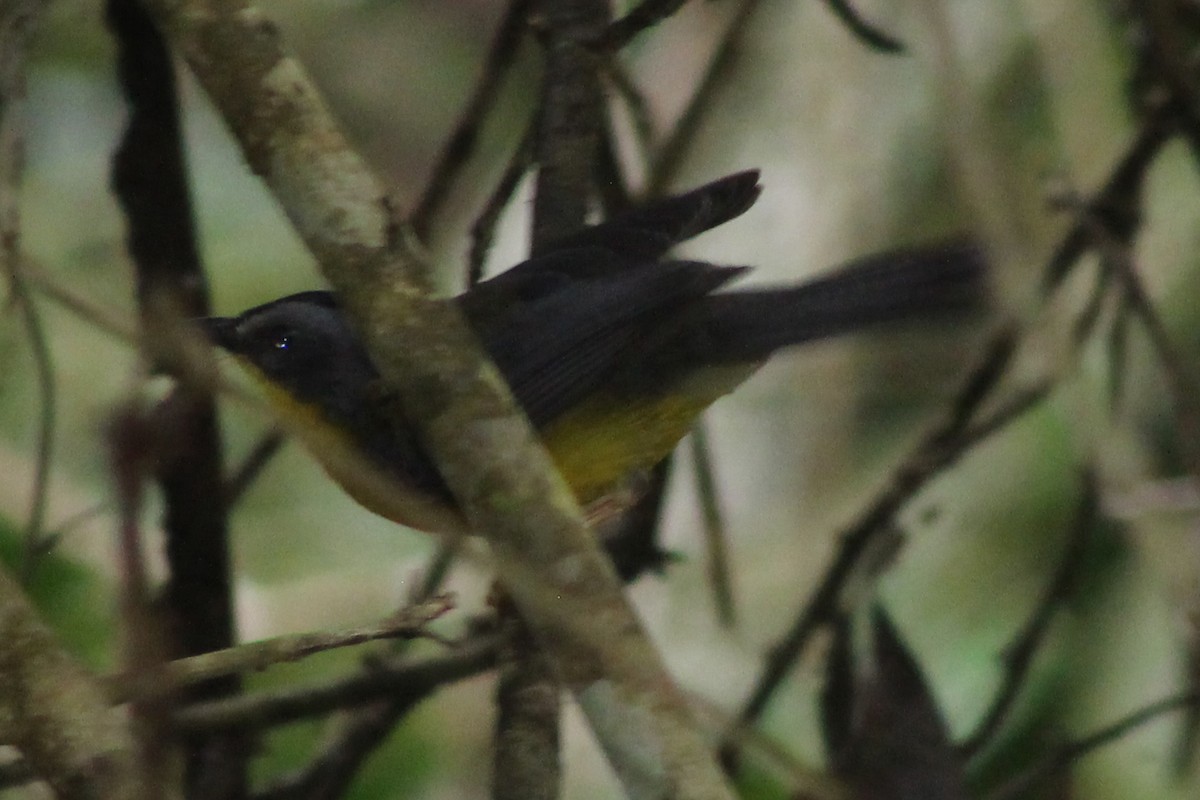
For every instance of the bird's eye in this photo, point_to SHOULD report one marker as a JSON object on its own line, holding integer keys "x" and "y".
{"x": 282, "y": 342}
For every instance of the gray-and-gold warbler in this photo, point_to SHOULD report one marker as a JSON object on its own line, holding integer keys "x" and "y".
{"x": 611, "y": 349}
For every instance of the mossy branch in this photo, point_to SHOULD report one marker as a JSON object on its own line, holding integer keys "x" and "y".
{"x": 505, "y": 482}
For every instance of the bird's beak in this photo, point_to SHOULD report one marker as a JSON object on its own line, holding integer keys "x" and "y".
{"x": 221, "y": 331}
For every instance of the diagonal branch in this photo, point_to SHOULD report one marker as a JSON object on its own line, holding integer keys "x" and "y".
{"x": 941, "y": 446}
{"x": 401, "y": 683}
{"x": 149, "y": 177}
{"x": 673, "y": 152}
{"x": 404, "y": 681}
{"x": 862, "y": 30}
{"x": 407, "y": 623}
{"x": 642, "y": 17}
{"x": 503, "y": 479}
{"x": 1018, "y": 656}
{"x": 1062, "y": 757}
{"x": 462, "y": 141}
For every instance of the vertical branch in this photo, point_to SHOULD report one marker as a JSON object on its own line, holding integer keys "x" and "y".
{"x": 149, "y": 177}
{"x": 525, "y": 764}
{"x": 569, "y": 119}
{"x": 566, "y": 141}
{"x": 135, "y": 443}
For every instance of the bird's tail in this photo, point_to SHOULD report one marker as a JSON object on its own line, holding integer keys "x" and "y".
{"x": 912, "y": 284}
{"x": 648, "y": 232}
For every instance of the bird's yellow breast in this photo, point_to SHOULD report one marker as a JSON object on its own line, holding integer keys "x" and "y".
{"x": 603, "y": 439}
{"x": 594, "y": 445}
{"x": 598, "y": 443}
{"x": 336, "y": 451}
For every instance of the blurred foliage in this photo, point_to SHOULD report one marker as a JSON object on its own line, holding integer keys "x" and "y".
{"x": 70, "y": 596}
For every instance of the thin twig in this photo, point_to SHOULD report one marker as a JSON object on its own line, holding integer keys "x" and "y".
{"x": 633, "y": 542}
{"x": 641, "y": 17}
{"x": 675, "y": 149}
{"x": 18, "y": 21}
{"x": 1064, "y": 756}
{"x": 1185, "y": 390}
{"x": 462, "y": 141}
{"x": 1118, "y": 349}
{"x": 864, "y": 31}
{"x": 439, "y": 566}
{"x": 366, "y": 721}
{"x": 635, "y": 101}
{"x": 243, "y": 476}
{"x": 483, "y": 231}
{"x": 397, "y": 679}
{"x": 1018, "y": 656}
{"x": 1021, "y": 402}
{"x": 135, "y": 442}
{"x": 402, "y": 683}
{"x": 43, "y": 361}
{"x": 1085, "y": 321}
{"x": 938, "y": 449}
{"x": 1165, "y": 51}
{"x": 255, "y": 656}
{"x": 108, "y": 320}
{"x": 715, "y": 535}
{"x": 357, "y": 733}
{"x": 56, "y": 533}
{"x": 1118, "y": 202}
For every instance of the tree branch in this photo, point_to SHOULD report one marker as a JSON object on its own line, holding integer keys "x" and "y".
{"x": 183, "y": 672}
{"x": 149, "y": 176}
{"x": 671, "y": 155}
{"x": 525, "y": 762}
{"x": 1018, "y": 656}
{"x": 461, "y": 142}
{"x": 56, "y": 713}
{"x": 941, "y": 446}
{"x": 504, "y": 480}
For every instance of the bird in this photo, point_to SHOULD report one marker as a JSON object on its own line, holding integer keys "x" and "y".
{"x": 611, "y": 347}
